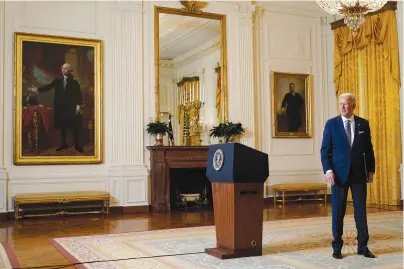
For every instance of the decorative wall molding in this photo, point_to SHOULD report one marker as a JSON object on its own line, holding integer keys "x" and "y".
{"x": 246, "y": 80}
{"x": 298, "y": 172}
{"x": 3, "y": 195}
{"x": 47, "y": 14}
{"x": 127, "y": 120}
{"x": 3, "y": 171}
{"x": 308, "y": 9}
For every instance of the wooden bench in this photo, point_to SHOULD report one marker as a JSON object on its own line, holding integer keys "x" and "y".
{"x": 61, "y": 203}
{"x": 300, "y": 187}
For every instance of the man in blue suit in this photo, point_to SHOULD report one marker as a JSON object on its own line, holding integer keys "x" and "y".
{"x": 348, "y": 161}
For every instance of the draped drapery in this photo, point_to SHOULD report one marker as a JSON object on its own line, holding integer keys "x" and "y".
{"x": 367, "y": 65}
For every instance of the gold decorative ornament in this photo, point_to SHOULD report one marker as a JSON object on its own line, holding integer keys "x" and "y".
{"x": 194, "y": 6}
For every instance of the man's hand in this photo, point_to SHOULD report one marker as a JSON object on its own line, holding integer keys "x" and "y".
{"x": 330, "y": 177}
{"x": 32, "y": 89}
{"x": 370, "y": 177}
{"x": 283, "y": 110}
{"x": 77, "y": 109}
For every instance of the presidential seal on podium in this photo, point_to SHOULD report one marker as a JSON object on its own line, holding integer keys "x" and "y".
{"x": 218, "y": 159}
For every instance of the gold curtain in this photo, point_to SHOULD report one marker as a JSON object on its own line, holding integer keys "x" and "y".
{"x": 218, "y": 92}
{"x": 367, "y": 65}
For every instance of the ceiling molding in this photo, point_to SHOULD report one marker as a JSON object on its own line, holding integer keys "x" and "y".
{"x": 185, "y": 35}
{"x": 167, "y": 63}
{"x": 180, "y": 61}
{"x": 195, "y": 55}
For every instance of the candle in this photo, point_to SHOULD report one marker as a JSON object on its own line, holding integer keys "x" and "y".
{"x": 192, "y": 92}
{"x": 203, "y": 93}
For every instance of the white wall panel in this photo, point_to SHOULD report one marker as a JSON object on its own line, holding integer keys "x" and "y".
{"x": 292, "y": 43}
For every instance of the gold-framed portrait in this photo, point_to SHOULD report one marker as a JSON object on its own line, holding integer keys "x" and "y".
{"x": 58, "y": 100}
{"x": 291, "y": 105}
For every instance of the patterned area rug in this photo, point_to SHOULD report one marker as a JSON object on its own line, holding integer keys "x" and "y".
{"x": 7, "y": 257}
{"x": 297, "y": 243}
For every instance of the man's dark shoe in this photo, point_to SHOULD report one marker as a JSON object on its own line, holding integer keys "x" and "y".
{"x": 62, "y": 147}
{"x": 367, "y": 254}
{"x": 337, "y": 254}
{"x": 79, "y": 149}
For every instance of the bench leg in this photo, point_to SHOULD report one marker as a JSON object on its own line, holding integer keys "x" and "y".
{"x": 16, "y": 211}
{"x": 283, "y": 197}
{"x": 274, "y": 197}
{"x": 106, "y": 207}
{"x": 325, "y": 196}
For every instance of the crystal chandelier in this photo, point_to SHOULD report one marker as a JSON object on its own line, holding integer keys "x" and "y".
{"x": 353, "y": 11}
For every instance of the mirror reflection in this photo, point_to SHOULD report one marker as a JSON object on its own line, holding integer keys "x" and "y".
{"x": 190, "y": 97}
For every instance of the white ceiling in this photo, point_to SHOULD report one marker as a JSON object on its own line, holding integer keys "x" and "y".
{"x": 181, "y": 34}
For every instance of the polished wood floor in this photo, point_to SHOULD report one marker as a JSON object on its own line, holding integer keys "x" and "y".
{"x": 29, "y": 237}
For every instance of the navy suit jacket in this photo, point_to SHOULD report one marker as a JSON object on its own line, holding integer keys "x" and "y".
{"x": 338, "y": 156}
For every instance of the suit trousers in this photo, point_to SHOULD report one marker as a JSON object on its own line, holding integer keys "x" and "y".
{"x": 339, "y": 200}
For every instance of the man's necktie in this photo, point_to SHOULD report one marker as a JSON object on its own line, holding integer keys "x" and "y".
{"x": 348, "y": 131}
{"x": 64, "y": 83}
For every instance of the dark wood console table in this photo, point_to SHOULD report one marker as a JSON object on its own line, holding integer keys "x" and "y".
{"x": 162, "y": 158}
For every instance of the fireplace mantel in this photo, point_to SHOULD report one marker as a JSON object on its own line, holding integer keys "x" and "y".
{"x": 162, "y": 158}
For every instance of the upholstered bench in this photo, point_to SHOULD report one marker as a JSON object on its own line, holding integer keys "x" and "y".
{"x": 300, "y": 187}
{"x": 61, "y": 203}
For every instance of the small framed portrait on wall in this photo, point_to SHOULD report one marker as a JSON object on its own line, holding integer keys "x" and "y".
{"x": 58, "y": 105}
{"x": 291, "y": 105}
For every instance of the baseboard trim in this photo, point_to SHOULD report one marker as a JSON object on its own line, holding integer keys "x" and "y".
{"x": 126, "y": 210}
{"x": 4, "y": 216}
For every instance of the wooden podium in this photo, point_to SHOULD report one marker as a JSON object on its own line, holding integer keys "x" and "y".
{"x": 237, "y": 173}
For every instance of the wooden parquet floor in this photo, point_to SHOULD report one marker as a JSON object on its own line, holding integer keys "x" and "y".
{"x": 29, "y": 237}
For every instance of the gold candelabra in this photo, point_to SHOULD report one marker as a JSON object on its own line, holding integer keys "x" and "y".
{"x": 191, "y": 98}
{"x": 194, "y": 123}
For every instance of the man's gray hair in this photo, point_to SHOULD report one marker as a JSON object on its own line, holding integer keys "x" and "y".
{"x": 350, "y": 96}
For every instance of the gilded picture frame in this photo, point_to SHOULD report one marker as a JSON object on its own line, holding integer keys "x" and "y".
{"x": 58, "y": 89}
{"x": 291, "y": 95}
{"x": 193, "y": 10}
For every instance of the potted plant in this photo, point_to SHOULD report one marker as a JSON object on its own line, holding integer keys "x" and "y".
{"x": 218, "y": 131}
{"x": 228, "y": 131}
{"x": 233, "y": 131}
{"x": 159, "y": 130}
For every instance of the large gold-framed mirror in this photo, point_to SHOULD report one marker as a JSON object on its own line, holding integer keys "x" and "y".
{"x": 190, "y": 71}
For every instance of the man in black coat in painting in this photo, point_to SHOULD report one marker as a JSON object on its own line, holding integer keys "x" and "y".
{"x": 66, "y": 105}
{"x": 292, "y": 103}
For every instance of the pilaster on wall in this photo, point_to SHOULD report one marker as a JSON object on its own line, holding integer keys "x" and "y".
{"x": 3, "y": 172}
{"x": 245, "y": 74}
{"x": 128, "y": 174}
